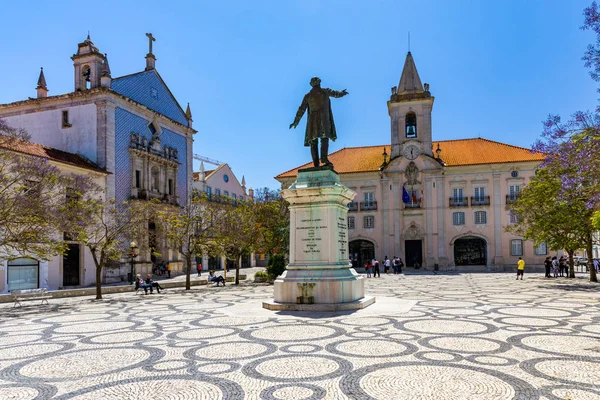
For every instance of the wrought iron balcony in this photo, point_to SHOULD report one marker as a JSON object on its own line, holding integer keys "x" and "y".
{"x": 368, "y": 205}
{"x": 353, "y": 206}
{"x": 459, "y": 202}
{"x": 480, "y": 201}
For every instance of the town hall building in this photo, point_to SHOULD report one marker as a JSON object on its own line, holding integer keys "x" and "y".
{"x": 432, "y": 202}
{"x": 130, "y": 127}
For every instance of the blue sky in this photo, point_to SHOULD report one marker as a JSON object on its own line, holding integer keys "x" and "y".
{"x": 496, "y": 68}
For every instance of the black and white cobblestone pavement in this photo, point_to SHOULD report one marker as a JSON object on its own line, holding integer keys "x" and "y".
{"x": 468, "y": 336}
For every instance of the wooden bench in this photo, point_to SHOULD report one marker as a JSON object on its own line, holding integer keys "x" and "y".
{"x": 29, "y": 295}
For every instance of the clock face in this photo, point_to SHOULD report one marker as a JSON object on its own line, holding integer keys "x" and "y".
{"x": 411, "y": 152}
{"x": 225, "y": 178}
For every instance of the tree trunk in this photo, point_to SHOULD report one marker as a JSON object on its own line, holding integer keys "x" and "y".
{"x": 98, "y": 275}
{"x": 590, "y": 260}
{"x": 571, "y": 264}
{"x": 188, "y": 270}
{"x": 237, "y": 270}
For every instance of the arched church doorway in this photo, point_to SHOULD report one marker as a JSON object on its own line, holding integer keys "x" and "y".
{"x": 361, "y": 251}
{"x": 470, "y": 250}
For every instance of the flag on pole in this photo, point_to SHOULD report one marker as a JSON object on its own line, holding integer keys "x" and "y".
{"x": 405, "y": 196}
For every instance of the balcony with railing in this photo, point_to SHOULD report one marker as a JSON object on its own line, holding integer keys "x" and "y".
{"x": 480, "y": 201}
{"x": 353, "y": 206}
{"x": 368, "y": 205}
{"x": 459, "y": 202}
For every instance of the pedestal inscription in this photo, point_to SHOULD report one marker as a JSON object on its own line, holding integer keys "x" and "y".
{"x": 319, "y": 271}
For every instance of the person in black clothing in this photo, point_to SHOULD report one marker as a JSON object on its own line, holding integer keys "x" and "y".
{"x": 153, "y": 284}
{"x": 376, "y": 272}
{"x": 562, "y": 266}
{"x": 548, "y": 266}
{"x": 400, "y": 265}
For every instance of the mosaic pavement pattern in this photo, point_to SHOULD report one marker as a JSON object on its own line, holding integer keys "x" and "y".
{"x": 469, "y": 336}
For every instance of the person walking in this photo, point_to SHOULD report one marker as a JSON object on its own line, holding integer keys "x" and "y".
{"x": 199, "y": 268}
{"x": 368, "y": 268}
{"x": 386, "y": 264}
{"x": 395, "y": 265}
{"x": 376, "y": 272}
{"x": 548, "y": 266}
{"x": 520, "y": 268}
{"x": 555, "y": 266}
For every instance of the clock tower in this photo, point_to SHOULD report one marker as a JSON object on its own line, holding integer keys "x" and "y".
{"x": 410, "y": 108}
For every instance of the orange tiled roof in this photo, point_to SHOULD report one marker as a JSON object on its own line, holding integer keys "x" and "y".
{"x": 196, "y": 175}
{"x": 38, "y": 150}
{"x": 454, "y": 153}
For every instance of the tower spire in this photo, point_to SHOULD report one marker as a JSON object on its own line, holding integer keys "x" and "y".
{"x": 410, "y": 82}
{"x": 42, "y": 89}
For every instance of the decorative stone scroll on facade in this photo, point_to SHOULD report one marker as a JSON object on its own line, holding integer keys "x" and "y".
{"x": 154, "y": 169}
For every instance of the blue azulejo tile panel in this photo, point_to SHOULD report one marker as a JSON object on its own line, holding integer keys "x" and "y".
{"x": 148, "y": 89}
{"x": 127, "y": 123}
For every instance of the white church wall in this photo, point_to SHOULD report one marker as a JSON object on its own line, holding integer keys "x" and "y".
{"x": 45, "y": 127}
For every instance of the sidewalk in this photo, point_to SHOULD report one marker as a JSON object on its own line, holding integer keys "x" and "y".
{"x": 246, "y": 274}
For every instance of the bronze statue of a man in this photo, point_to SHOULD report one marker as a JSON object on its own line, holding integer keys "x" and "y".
{"x": 320, "y": 120}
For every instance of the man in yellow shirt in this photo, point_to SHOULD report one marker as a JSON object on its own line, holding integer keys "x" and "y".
{"x": 520, "y": 268}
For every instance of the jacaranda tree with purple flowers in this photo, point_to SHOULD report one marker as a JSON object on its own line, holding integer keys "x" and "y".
{"x": 572, "y": 148}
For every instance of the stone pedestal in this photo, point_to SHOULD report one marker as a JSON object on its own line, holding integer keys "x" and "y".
{"x": 319, "y": 274}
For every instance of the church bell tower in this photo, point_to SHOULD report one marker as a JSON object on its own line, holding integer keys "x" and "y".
{"x": 409, "y": 109}
{"x": 88, "y": 65}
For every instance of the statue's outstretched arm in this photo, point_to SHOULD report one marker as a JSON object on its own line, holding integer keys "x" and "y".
{"x": 336, "y": 93}
{"x": 300, "y": 113}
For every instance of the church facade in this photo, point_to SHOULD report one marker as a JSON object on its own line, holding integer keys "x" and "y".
{"x": 131, "y": 127}
{"x": 432, "y": 202}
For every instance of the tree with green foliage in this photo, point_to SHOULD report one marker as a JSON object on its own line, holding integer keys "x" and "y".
{"x": 237, "y": 232}
{"x": 545, "y": 217}
{"x": 32, "y": 194}
{"x": 272, "y": 222}
{"x": 573, "y": 146}
{"x": 191, "y": 229}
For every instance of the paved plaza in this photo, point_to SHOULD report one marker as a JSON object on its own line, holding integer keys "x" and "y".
{"x": 461, "y": 336}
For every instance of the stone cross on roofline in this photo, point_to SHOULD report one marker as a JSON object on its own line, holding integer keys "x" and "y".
{"x": 150, "y": 40}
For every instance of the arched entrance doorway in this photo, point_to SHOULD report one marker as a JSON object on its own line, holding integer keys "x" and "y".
{"x": 361, "y": 251}
{"x": 470, "y": 250}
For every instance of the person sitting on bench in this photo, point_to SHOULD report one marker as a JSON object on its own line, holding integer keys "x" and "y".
{"x": 139, "y": 283}
{"x": 154, "y": 284}
{"x": 213, "y": 278}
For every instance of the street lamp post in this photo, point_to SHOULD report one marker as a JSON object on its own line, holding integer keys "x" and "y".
{"x": 133, "y": 255}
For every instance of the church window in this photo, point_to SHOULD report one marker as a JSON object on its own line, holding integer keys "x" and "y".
{"x": 170, "y": 187}
{"x": 458, "y": 218}
{"x": 218, "y": 192}
{"x": 411, "y": 125}
{"x": 226, "y": 193}
{"x": 480, "y": 217}
{"x": 516, "y": 247}
{"x": 138, "y": 178}
{"x": 234, "y": 196}
{"x": 65, "y": 119}
{"x": 351, "y": 223}
{"x": 369, "y": 222}
{"x": 152, "y": 128}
